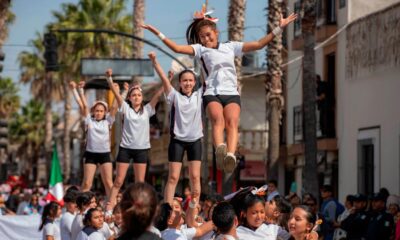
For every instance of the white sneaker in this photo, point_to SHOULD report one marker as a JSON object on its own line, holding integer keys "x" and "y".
{"x": 220, "y": 153}
{"x": 229, "y": 163}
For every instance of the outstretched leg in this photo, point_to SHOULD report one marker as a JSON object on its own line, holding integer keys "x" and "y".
{"x": 231, "y": 116}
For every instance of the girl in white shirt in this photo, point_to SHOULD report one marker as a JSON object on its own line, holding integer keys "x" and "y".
{"x": 186, "y": 128}
{"x": 51, "y": 230}
{"x": 93, "y": 222}
{"x": 135, "y": 143}
{"x": 98, "y": 122}
{"x": 221, "y": 97}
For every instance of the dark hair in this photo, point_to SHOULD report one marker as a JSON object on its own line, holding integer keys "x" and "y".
{"x": 164, "y": 212}
{"x": 94, "y": 106}
{"x": 72, "y": 189}
{"x": 192, "y": 32}
{"x": 87, "y": 219}
{"x": 84, "y": 199}
{"x": 284, "y": 208}
{"x": 223, "y": 217}
{"x": 274, "y": 182}
{"x": 129, "y": 102}
{"x": 70, "y": 197}
{"x": 310, "y": 216}
{"x": 327, "y": 188}
{"x": 138, "y": 205}
{"x": 50, "y": 210}
{"x": 117, "y": 208}
{"x": 243, "y": 200}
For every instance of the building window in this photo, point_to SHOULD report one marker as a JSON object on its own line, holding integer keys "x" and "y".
{"x": 368, "y": 160}
{"x": 331, "y": 12}
{"x": 297, "y": 22}
{"x": 297, "y": 123}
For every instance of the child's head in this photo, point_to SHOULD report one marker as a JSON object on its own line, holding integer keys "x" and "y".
{"x": 117, "y": 213}
{"x": 224, "y": 217}
{"x": 94, "y": 218}
{"x": 253, "y": 212}
{"x": 204, "y": 32}
{"x": 99, "y": 110}
{"x": 187, "y": 81}
{"x": 50, "y": 212}
{"x": 86, "y": 200}
{"x": 276, "y": 207}
{"x": 138, "y": 206}
{"x": 135, "y": 97}
{"x": 70, "y": 201}
{"x": 301, "y": 221}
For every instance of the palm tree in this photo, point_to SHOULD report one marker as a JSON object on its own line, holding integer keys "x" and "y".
{"x": 28, "y": 130}
{"x": 43, "y": 87}
{"x": 236, "y": 17}
{"x": 308, "y": 22}
{"x": 6, "y": 18}
{"x": 273, "y": 87}
{"x": 137, "y": 20}
{"x": 9, "y": 98}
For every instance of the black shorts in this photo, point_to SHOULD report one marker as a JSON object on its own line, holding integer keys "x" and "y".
{"x": 177, "y": 148}
{"x": 96, "y": 158}
{"x": 222, "y": 99}
{"x": 138, "y": 155}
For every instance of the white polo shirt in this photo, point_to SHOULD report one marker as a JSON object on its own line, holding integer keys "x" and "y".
{"x": 185, "y": 118}
{"x": 66, "y": 225}
{"x": 98, "y": 134}
{"x": 136, "y": 129}
{"x": 178, "y": 234}
{"x": 51, "y": 229}
{"x": 264, "y": 232}
{"x": 219, "y": 67}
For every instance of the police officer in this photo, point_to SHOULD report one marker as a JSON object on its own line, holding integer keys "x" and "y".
{"x": 357, "y": 222}
{"x": 381, "y": 223}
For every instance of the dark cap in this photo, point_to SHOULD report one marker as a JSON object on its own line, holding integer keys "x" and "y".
{"x": 360, "y": 198}
{"x": 378, "y": 197}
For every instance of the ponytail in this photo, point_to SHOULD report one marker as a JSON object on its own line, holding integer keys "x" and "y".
{"x": 50, "y": 210}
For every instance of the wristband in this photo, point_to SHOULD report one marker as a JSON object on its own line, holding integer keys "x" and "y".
{"x": 192, "y": 204}
{"x": 161, "y": 36}
{"x": 278, "y": 30}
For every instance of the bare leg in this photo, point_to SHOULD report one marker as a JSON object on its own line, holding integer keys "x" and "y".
{"x": 194, "y": 175}
{"x": 106, "y": 177}
{"x": 89, "y": 170}
{"x": 140, "y": 171}
{"x": 173, "y": 178}
{"x": 231, "y": 116}
{"x": 122, "y": 168}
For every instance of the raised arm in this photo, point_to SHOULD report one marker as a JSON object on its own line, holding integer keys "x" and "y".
{"x": 85, "y": 108}
{"x": 114, "y": 105}
{"x": 166, "y": 82}
{"x": 156, "y": 97}
{"x": 75, "y": 93}
{"x": 184, "y": 49}
{"x": 257, "y": 45}
{"x": 117, "y": 96}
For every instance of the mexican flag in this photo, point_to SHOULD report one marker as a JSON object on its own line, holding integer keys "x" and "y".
{"x": 56, "y": 192}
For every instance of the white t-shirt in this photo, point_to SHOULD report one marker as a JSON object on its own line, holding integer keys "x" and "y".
{"x": 98, "y": 134}
{"x": 264, "y": 232}
{"x": 219, "y": 67}
{"x": 66, "y": 225}
{"x": 178, "y": 234}
{"x": 90, "y": 234}
{"x": 51, "y": 229}
{"x": 186, "y": 121}
{"x": 136, "y": 129}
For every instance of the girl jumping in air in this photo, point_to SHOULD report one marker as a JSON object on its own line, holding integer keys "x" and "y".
{"x": 186, "y": 128}
{"x": 98, "y": 122}
{"x": 135, "y": 143}
{"x": 221, "y": 98}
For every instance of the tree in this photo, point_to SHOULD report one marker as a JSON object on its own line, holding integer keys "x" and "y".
{"x": 308, "y": 23}
{"x": 9, "y": 98}
{"x": 6, "y": 18}
{"x": 44, "y": 88}
{"x": 236, "y": 17}
{"x": 273, "y": 86}
{"x": 138, "y": 19}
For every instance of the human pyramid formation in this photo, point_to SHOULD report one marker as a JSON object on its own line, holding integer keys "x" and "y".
{"x": 219, "y": 96}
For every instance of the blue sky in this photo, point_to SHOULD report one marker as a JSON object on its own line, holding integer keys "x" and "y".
{"x": 170, "y": 16}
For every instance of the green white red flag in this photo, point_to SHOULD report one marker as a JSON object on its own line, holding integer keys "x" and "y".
{"x": 56, "y": 191}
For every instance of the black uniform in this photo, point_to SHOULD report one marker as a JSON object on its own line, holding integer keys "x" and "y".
{"x": 380, "y": 226}
{"x": 356, "y": 225}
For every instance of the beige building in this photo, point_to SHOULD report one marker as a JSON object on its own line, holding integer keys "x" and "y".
{"x": 357, "y": 54}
